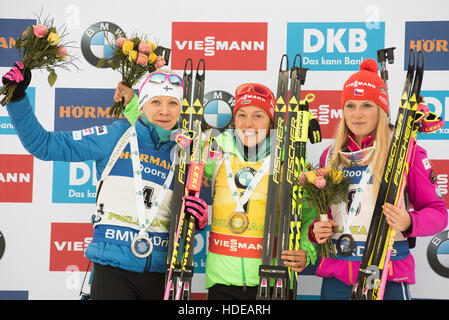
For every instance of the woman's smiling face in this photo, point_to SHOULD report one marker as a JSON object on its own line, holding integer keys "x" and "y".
{"x": 163, "y": 111}
{"x": 252, "y": 125}
{"x": 361, "y": 117}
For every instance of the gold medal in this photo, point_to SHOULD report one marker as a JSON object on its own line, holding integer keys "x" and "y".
{"x": 238, "y": 222}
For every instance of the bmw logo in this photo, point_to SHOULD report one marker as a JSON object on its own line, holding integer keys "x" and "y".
{"x": 438, "y": 254}
{"x": 243, "y": 177}
{"x": 218, "y": 109}
{"x": 98, "y": 41}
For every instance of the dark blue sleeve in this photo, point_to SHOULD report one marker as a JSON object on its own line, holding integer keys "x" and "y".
{"x": 82, "y": 145}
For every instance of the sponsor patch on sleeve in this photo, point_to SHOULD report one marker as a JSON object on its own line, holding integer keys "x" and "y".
{"x": 432, "y": 176}
{"x": 88, "y": 131}
{"x": 100, "y": 130}
{"x": 426, "y": 163}
{"x": 77, "y": 135}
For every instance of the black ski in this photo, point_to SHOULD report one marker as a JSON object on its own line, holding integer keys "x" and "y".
{"x": 180, "y": 270}
{"x": 276, "y": 149}
{"x": 282, "y": 277}
{"x": 181, "y": 165}
{"x": 370, "y": 271}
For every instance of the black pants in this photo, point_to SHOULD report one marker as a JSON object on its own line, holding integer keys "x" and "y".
{"x": 223, "y": 292}
{"x": 109, "y": 283}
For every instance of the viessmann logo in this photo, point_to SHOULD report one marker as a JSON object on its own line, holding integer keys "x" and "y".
{"x": 68, "y": 243}
{"x": 224, "y": 45}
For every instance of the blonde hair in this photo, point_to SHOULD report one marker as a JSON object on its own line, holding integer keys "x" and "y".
{"x": 382, "y": 137}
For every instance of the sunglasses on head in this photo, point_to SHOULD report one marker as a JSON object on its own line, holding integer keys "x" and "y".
{"x": 257, "y": 88}
{"x": 160, "y": 77}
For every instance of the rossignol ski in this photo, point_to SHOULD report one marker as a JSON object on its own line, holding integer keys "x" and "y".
{"x": 375, "y": 262}
{"x": 180, "y": 269}
{"x": 291, "y": 144}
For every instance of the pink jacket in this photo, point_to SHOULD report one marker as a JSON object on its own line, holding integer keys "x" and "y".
{"x": 429, "y": 216}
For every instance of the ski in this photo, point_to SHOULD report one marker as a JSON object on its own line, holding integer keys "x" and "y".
{"x": 282, "y": 278}
{"x": 182, "y": 155}
{"x": 289, "y": 144}
{"x": 393, "y": 183}
{"x": 180, "y": 270}
{"x": 276, "y": 147}
{"x": 308, "y": 129}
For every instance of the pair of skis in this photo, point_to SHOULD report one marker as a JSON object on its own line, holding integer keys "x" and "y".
{"x": 188, "y": 180}
{"x": 373, "y": 271}
{"x": 292, "y": 129}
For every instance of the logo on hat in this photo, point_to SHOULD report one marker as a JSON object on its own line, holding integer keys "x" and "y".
{"x": 359, "y": 92}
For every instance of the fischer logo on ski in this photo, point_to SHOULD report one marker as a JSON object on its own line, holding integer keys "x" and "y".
{"x": 290, "y": 143}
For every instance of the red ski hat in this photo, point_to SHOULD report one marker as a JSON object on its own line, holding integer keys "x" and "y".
{"x": 366, "y": 85}
{"x": 255, "y": 94}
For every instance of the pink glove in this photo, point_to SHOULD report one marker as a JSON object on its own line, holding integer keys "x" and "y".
{"x": 198, "y": 209}
{"x": 21, "y": 77}
{"x": 15, "y": 74}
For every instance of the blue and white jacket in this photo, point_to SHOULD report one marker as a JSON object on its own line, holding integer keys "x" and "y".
{"x": 117, "y": 223}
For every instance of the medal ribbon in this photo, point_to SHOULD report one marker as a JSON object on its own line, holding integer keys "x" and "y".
{"x": 357, "y": 198}
{"x": 135, "y": 157}
{"x": 250, "y": 188}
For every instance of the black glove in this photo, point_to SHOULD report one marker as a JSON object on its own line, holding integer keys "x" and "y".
{"x": 19, "y": 75}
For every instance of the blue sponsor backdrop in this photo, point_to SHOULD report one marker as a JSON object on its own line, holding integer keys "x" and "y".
{"x": 5, "y": 122}
{"x": 75, "y": 109}
{"x": 79, "y": 108}
{"x": 74, "y": 182}
{"x": 431, "y": 37}
{"x": 334, "y": 46}
{"x": 10, "y": 30}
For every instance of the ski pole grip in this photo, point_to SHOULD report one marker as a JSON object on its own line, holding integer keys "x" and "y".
{"x": 195, "y": 177}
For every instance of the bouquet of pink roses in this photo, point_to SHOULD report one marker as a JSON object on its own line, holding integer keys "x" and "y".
{"x": 134, "y": 58}
{"x": 41, "y": 46}
{"x": 324, "y": 187}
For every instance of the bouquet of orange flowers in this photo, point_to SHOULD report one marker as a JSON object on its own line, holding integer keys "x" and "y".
{"x": 134, "y": 58}
{"x": 41, "y": 46}
{"x": 324, "y": 187}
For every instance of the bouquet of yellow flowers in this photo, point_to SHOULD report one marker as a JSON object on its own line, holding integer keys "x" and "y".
{"x": 41, "y": 46}
{"x": 134, "y": 58}
{"x": 324, "y": 187}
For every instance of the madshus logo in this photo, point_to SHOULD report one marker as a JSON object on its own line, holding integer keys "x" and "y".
{"x": 438, "y": 253}
{"x": 98, "y": 41}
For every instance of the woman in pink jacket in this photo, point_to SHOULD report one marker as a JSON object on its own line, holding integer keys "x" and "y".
{"x": 362, "y": 141}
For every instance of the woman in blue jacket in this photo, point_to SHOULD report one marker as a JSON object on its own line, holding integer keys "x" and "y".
{"x": 130, "y": 238}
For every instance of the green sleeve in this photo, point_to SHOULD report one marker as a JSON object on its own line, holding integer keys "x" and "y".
{"x": 308, "y": 216}
{"x": 209, "y": 168}
{"x": 131, "y": 111}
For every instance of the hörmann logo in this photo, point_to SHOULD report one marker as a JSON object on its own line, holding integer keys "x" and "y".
{"x": 431, "y": 37}
{"x": 224, "y": 45}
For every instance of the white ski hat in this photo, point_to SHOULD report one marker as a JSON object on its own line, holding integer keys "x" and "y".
{"x": 150, "y": 89}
